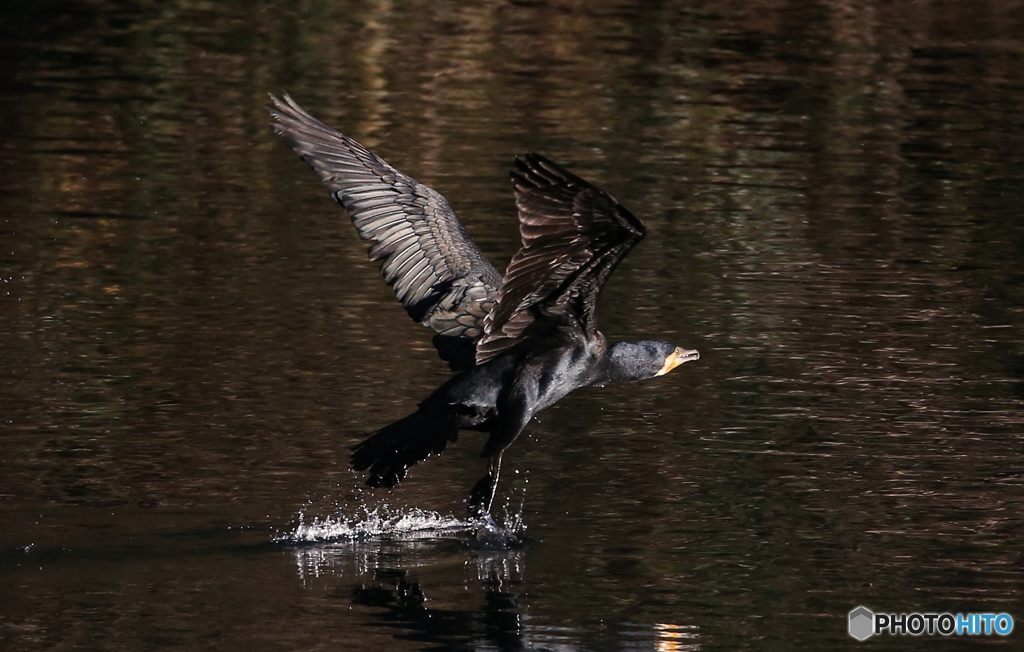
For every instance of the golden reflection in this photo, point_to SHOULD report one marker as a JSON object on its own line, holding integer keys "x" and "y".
{"x": 675, "y": 638}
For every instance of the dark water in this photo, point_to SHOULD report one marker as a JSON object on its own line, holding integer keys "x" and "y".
{"x": 191, "y": 337}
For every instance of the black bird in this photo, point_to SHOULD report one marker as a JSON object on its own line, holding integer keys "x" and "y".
{"x": 519, "y": 342}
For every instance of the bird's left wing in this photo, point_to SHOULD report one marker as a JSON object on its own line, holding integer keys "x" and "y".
{"x": 574, "y": 235}
{"x": 437, "y": 271}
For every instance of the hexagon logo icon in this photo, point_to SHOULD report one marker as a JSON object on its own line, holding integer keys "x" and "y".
{"x": 862, "y": 623}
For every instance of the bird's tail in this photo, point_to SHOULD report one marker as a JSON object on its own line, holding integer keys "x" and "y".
{"x": 389, "y": 452}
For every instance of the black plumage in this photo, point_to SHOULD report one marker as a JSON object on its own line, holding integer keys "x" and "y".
{"x": 521, "y": 341}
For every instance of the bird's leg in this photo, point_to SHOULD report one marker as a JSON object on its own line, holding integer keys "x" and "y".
{"x": 519, "y": 405}
{"x": 482, "y": 496}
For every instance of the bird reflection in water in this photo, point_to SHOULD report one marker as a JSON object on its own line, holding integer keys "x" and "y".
{"x": 399, "y": 599}
{"x": 452, "y": 592}
{"x": 519, "y": 342}
{"x": 404, "y": 605}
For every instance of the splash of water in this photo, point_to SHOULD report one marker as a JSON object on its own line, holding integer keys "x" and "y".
{"x": 383, "y": 522}
{"x": 374, "y": 522}
{"x": 371, "y": 538}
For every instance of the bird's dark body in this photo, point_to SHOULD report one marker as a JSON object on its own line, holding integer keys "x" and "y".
{"x": 519, "y": 342}
{"x": 498, "y": 397}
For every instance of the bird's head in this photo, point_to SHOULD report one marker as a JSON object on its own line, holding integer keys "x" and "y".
{"x": 640, "y": 360}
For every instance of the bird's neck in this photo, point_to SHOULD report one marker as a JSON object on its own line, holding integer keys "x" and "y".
{"x": 612, "y": 370}
{"x": 625, "y": 362}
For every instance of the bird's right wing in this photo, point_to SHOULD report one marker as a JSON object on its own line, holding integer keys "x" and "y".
{"x": 574, "y": 235}
{"x": 437, "y": 271}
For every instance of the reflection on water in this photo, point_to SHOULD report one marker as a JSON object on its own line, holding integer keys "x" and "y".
{"x": 191, "y": 337}
{"x": 417, "y": 607}
{"x": 387, "y": 549}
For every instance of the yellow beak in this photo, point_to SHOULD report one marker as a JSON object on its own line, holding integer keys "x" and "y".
{"x": 676, "y": 358}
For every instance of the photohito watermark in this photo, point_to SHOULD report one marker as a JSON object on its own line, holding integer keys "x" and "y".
{"x": 864, "y": 623}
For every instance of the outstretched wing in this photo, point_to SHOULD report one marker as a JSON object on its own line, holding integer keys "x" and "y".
{"x": 435, "y": 268}
{"x": 574, "y": 235}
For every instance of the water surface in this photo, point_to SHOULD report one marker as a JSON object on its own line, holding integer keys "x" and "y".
{"x": 191, "y": 335}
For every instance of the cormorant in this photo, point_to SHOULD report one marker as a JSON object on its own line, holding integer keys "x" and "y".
{"x": 519, "y": 342}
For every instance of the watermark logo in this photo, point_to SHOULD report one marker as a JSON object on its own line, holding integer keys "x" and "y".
{"x": 864, "y": 623}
